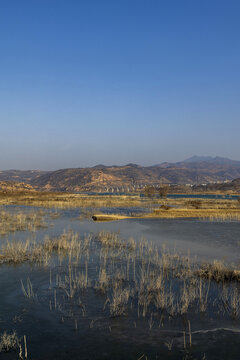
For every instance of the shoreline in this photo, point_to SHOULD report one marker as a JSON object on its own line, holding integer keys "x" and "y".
{"x": 211, "y": 214}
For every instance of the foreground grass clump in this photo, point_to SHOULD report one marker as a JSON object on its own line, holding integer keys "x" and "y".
{"x": 21, "y": 251}
{"x": 12, "y": 221}
{"x": 9, "y": 341}
{"x": 218, "y": 271}
{"x": 16, "y": 252}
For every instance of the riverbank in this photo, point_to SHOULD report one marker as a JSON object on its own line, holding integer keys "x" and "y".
{"x": 211, "y": 214}
{"x": 148, "y": 207}
{"x": 65, "y": 200}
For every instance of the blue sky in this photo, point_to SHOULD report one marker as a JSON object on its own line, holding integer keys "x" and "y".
{"x": 113, "y": 82}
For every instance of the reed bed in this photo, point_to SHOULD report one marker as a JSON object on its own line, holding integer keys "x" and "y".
{"x": 125, "y": 272}
{"x": 165, "y": 212}
{"x": 68, "y": 200}
{"x": 128, "y": 279}
{"x": 218, "y": 271}
{"x": 65, "y": 200}
{"x": 212, "y": 209}
{"x": 17, "y": 252}
{"x": 208, "y": 214}
{"x": 12, "y": 221}
{"x": 228, "y": 216}
{"x": 9, "y": 341}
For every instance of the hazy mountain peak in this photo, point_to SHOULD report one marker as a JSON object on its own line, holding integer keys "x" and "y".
{"x": 209, "y": 159}
{"x": 99, "y": 166}
{"x": 197, "y": 158}
{"x": 132, "y": 165}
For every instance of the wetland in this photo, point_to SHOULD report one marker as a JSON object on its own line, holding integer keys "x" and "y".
{"x": 143, "y": 287}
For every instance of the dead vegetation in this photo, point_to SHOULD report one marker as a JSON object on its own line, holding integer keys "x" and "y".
{"x": 208, "y": 214}
{"x": 128, "y": 278}
{"x": 12, "y": 221}
{"x": 9, "y": 341}
{"x": 21, "y": 251}
{"x": 68, "y": 200}
{"x": 218, "y": 271}
{"x": 153, "y": 207}
{"x": 127, "y": 272}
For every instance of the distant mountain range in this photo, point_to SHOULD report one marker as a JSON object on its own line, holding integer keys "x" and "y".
{"x": 212, "y": 160}
{"x": 131, "y": 177}
{"x": 20, "y": 175}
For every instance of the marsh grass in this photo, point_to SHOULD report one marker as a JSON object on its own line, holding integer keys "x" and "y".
{"x": 103, "y": 281}
{"x": 118, "y": 302}
{"x": 12, "y": 221}
{"x": 68, "y": 244}
{"x": 27, "y": 289}
{"x": 123, "y": 278}
{"x": 213, "y": 209}
{"x": 231, "y": 301}
{"x": 228, "y": 216}
{"x": 128, "y": 279}
{"x": 212, "y": 214}
{"x": 9, "y": 341}
{"x": 136, "y": 273}
{"x": 218, "y": 271}
{"x": 68, "y": 200}
{"x": 15, "y": 252}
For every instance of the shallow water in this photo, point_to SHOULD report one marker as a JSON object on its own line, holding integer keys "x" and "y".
{"x": 70, "y": 332}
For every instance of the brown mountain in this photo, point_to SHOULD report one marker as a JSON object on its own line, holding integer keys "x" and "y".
{"x": 131, "y": 177}
{"x": 6, "y": 186}
{"x": 99, "y": 178}
{"x": 232, "y": 186}
{"x": 20, "y": 175}
{"x": 134, "y": 177}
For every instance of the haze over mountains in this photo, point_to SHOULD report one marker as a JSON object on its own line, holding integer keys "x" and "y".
{"x": 131, "y": 177}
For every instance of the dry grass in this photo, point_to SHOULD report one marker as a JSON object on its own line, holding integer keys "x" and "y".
{"x": 66, "y": 244}
{"x": 9, "y": 341}
{"x": 211, "y": 214}
{"x": 12, "y": 221}
{"x": 119, "y": 301}
{"x": 107, "y": 217}
{"x": 28, "y": 289}
{"x": 103, "y": 281}
{"x": 173, "y": 213}
{"x": 132, "y": 277}
{"x": 218, "y": 271}
{"x": 67, "y": 200}
{"x": 231, "y": 301}
{"x": 129, "y": 279}
{"x": 213, "y": 209}
{"x": 15, "y": 252}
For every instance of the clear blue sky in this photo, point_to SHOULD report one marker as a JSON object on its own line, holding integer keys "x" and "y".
{"x": 118, "y": 81}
